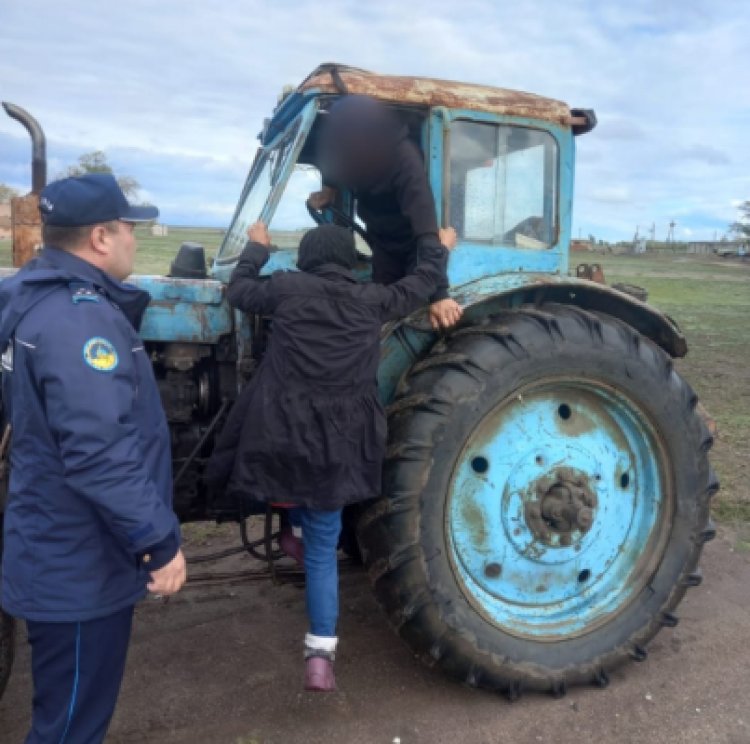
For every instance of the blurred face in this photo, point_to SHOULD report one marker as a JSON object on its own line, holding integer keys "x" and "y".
{"x": 121, "y": 250}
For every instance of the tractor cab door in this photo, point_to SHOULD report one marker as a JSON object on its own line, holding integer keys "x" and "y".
{"x": 504, "y": 183}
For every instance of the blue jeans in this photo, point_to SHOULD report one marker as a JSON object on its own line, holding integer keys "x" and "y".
{"x": 320, "y": 534}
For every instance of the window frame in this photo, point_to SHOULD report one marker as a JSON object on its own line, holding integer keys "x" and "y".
{"x": 298, "y": 130}
{"x": 473, "y": 260}
{"x": 548, "y": 182}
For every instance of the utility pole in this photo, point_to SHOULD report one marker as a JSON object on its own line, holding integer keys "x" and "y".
{"x": 636, "y": 238}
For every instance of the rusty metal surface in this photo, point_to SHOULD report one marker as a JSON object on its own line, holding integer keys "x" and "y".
{"x": 187, "y": 322}
{"x": 562, "y": 507}
{"x": 38, "y": 145}
{"x": 592, "y": 272}
{"x": 26, "y": 228}
{"x": 432, "y": 92}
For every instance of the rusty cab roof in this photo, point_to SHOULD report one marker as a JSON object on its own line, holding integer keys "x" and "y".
{"x": 336, "y": 79}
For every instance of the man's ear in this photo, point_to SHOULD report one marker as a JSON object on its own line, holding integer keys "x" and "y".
{"x": 99, "y": 240}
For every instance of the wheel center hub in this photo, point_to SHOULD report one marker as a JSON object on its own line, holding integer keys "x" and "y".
{"x": 563, "y": 508}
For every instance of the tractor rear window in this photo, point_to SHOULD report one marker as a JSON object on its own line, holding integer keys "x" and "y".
{"x": 503, "y": 185}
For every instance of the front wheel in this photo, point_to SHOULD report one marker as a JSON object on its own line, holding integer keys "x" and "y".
{"x": 546, "y": 500}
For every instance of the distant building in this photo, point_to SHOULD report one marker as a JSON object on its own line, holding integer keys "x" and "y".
{"x": 159, "y": 231}
{"x": 579, "y": 246}
{"x": 722, "y": 247}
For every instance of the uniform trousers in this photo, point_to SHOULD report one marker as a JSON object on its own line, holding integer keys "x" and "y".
{"x": 77, "y": 669}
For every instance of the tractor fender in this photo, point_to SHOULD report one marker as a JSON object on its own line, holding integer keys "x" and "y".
{"x": 404, "y": 342}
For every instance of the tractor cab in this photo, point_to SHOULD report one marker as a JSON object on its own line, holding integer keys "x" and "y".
{"x": 500, "y": 164}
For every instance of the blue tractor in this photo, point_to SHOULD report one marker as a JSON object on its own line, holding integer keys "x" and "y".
{"x": 547, "y": 484}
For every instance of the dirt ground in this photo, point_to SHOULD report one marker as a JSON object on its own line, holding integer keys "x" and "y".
{"x": 222, "y": 664}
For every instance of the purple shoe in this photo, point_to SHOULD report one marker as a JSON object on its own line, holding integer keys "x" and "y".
{"x": 319, "y": 675}
{"x": 292, "y": 546}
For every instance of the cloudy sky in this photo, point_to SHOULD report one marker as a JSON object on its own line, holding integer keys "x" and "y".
{"x": 175, "y": 91}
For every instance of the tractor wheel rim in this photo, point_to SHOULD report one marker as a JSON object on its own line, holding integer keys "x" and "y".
{"x": 559, "y": 509}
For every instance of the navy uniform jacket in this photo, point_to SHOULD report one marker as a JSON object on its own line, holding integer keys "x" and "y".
{"x": 90, "y": 484}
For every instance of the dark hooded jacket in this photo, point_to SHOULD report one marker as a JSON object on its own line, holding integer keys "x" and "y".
{"x": 90, "y": 481}
{"x": 309, "y": 428}
{"x": 365, "y": 148}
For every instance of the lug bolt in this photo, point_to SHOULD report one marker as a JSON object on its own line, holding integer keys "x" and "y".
{"x": 493, "y": 570}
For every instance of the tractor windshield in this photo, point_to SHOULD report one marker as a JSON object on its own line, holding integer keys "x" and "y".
{"x": 503, "y": 185}
{"x": 263, "y": 176}
{"x": 275, "y": 191}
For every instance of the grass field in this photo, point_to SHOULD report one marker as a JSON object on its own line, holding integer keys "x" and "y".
{"x": 156, "y": 253}
{"x": 709, "y": 297}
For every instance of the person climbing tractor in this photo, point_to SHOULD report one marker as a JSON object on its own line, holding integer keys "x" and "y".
{"x": 315, "y": 400}
{"x": 365, "y": 149}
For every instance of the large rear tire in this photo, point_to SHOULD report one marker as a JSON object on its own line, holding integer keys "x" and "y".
{"x": 546, "y": 500}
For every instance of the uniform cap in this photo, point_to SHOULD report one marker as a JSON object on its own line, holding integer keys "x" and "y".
{"x": 89, "y": 200}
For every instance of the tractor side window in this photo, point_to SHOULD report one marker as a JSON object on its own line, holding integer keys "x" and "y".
{"x": 291, "y": 220}
{"x": 503, "y": 185}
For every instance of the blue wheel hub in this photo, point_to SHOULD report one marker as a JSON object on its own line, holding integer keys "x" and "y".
{"x": 556, "y": 511}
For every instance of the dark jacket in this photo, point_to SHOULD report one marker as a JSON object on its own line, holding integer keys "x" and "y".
{"x": 398, "y": 210}
{"x": 309, "y": 428}
{"x": 90, "y": 483}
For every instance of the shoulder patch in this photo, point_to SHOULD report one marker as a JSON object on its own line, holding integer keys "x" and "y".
{"x": 100, "y": 354}
{"x": 81, "y": 292}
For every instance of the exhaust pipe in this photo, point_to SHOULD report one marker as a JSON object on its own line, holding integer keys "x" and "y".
{"x": 38, "y": 145}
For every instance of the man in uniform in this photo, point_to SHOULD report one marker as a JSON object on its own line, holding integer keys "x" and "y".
{"x": 89, "y": 524}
